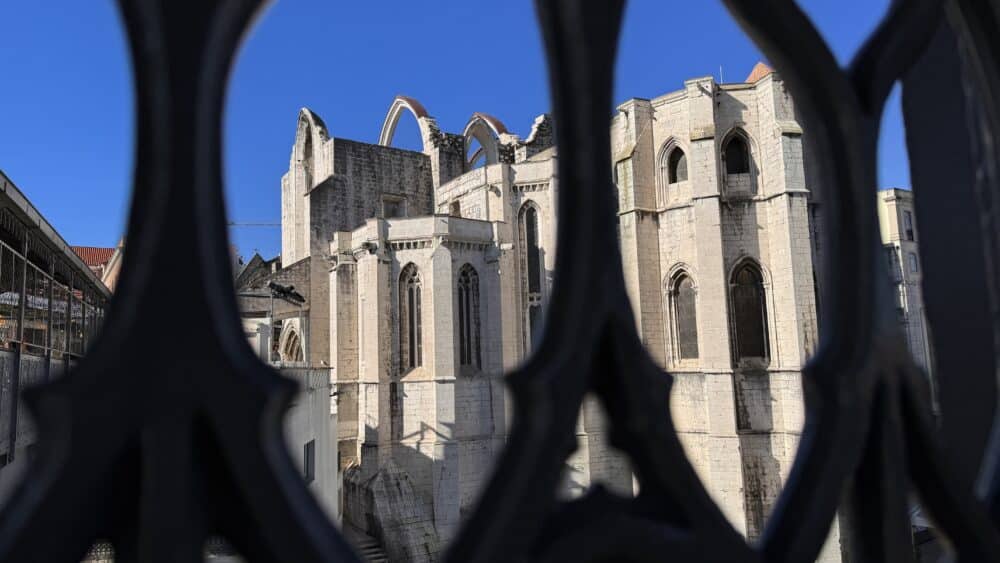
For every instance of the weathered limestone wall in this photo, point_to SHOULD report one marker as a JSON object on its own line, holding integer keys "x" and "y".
{"x": 370, "y": 172}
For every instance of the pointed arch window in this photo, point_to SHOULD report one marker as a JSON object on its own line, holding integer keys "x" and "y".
{"x": 685, "y": 317}
{"x": 677, "y": 167}
{"x": 673, "y": 169}
{"x": 737, "y": 156}
{"x": 410, "y": 319}
{"x": 293, "y": 348}
{"x": 468, "y": 317}
{"x": 531, "y": 274}
{"x": 738, "y": 164}
{"x": 749, "y": 312}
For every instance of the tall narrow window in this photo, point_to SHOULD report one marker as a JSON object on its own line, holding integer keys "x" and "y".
{"x": 410, "y": 337}
{"x": 531, "y": 274}
{"x": 749, "y": 312}
{"x": 677, "y": 166}
{"x": 685, "y": 317}
{"x": 468, "y": 317}
{"x": 309, "y": 461}
{"x": 908, "y": 225}
{"x": 737, "y": 156}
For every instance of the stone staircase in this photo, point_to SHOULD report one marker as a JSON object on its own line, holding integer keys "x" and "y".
{"x": 370, "y": 549}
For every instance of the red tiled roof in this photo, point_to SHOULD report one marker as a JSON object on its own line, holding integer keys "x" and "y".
{"x": 760, "y": 70}
{"x": 94, "y": 255}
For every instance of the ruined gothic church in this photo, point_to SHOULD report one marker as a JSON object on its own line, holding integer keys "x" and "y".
{"x": 426, "y": 276}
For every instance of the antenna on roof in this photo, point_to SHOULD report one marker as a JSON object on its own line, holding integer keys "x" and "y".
{"x": 721, "y": 81}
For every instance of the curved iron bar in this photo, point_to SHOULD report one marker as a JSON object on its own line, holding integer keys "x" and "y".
{"x": 161, "y": 451}
{"x": 866, "y": 407}
{"x": 891, "y": 388}
{"x": 595, "y": 350}
{"x": 978, "y": 26}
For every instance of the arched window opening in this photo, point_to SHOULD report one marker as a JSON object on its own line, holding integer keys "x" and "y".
{"x": 531, "y": 274}
{"x": 468, "y": 317}
{"x": 737, "y": 156}
{"x": 749, "y": 313}
{"x": 534, "y": 252}
{"x": 677, "y": 167}
{"x": 476, "y": 154}
{"x": 685, "y": 317}
{"x": 410, "y": 319}
{"x": 293, "y": 348}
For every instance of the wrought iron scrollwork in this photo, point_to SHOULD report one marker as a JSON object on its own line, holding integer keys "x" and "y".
{"x": 160, "y": 449}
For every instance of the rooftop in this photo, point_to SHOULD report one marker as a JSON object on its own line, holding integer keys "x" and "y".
{"x": 760, "y": 70}
{"x": 94, "y": 255}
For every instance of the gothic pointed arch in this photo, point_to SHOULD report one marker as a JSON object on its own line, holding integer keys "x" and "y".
{"x": 749, "y": 312}
{"x": 532, "y": 270}
{"x": 739, "y": 162}
{"x": 469, "y": 325}
{"x": 405, "y": 104}
{"x": 290, "y": 349}
{"x": 411, "y": 347}
{"x": 486, "y": 130}
{"x": 310, "y": 135}
{"x": 672, "y": 168}
{"x": 682, "y": 312}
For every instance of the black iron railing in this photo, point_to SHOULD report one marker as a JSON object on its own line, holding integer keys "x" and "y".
{"x": 149, "y": 449}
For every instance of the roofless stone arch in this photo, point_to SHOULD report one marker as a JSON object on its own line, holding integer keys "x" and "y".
{"x": 406, "y": 104}
{"x": 310, "y": 124}
{"x": 307, "y": 153}
{"x": 487, "y": 130}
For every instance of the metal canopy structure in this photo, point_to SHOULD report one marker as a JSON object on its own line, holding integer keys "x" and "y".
{"x": 155, "y": 451}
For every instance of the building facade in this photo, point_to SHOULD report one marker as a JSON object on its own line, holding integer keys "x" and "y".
{"x": 52, "y": 306}
{"x": 425, "y": 275}
{"x": 717, "y": 222}
{"x": 898, "y": 231}
{"x": 266, "y": 308}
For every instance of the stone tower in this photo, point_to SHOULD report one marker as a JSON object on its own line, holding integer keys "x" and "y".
{"x": 716, "y": 231}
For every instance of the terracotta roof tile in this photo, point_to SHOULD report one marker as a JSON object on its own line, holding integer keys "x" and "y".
{"x": 94, "y": 255}
{"x": 760, "y": 70}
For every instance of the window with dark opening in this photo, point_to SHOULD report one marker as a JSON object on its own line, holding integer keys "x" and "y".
{"x": 749, "y": 312}
{"x": 533, "y": 251}
{"x": 468, "y": 316}
{"x": 411, "y": 346}
{"x": 393, "y": 207}
{"x": 309, "y": 461}
{"x": 737, "y": 156}
{"x": 685, "y": 317}
{"x": 531, "y": 274}
{"x": 677, "y": 167}
{"x": 908, "y": 225}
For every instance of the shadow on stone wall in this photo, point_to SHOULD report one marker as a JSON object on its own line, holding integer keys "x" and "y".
{"x": 755, "y": 424}
{"x": 385, "y": 506}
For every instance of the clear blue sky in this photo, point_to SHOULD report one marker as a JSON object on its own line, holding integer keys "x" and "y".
{"x": 66, "y": 121}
